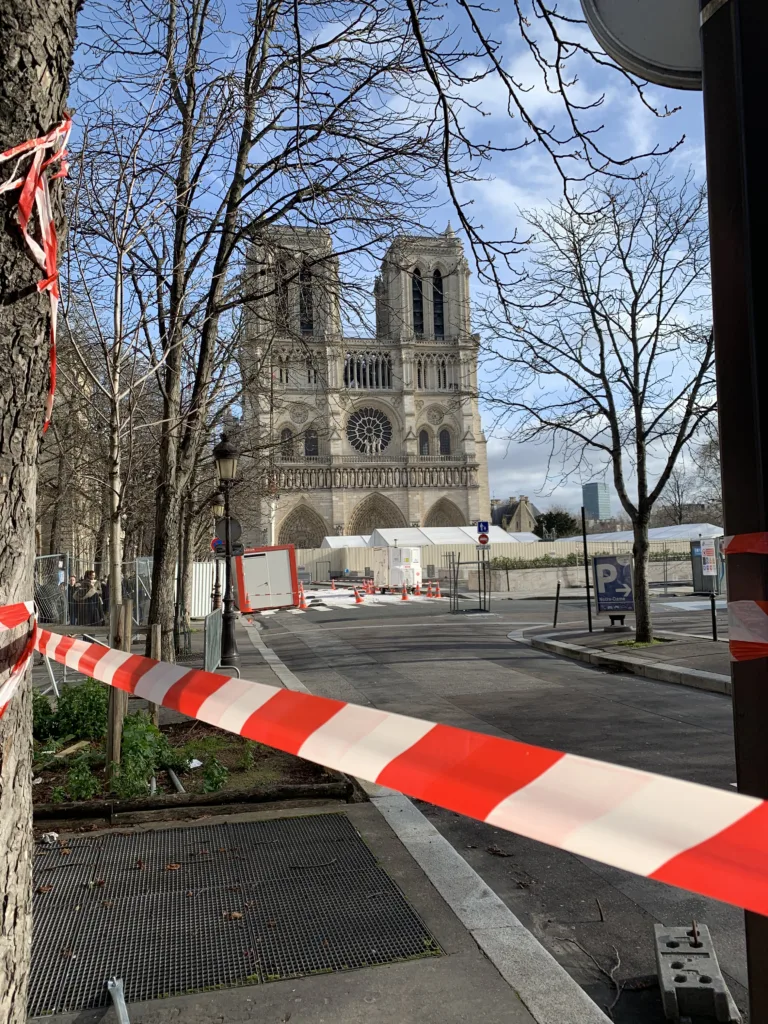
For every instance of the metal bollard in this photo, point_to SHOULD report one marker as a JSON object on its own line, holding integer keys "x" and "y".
{"x": 714, "y": 616}
{"x": 557, "y": 604}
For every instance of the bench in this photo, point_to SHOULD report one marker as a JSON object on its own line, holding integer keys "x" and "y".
{"x": 617, "y": 619}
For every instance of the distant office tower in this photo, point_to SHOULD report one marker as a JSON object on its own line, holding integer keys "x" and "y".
{"x": 596, "y": 501}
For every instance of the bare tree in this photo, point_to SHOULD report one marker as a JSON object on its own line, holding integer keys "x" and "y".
{"x": 675, "y": 500}
{"x": 604, "y": 350}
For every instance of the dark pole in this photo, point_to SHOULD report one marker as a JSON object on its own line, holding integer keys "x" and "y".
{"x": 216, "y": 595}
{"x": 714, "y": 615}
{"x": 733, "y": 48}
{"x": 229, "y": 655}
{"x": 557, "y": 604}
{"x": 586, "y": 565}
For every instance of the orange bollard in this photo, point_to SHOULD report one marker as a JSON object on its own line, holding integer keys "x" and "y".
{"x": 404, "y": 595}
{"x": 358, "y": 597}
{"x": 429, "y": 589}
{"x": 302, "y": 599}
{"x": 437, "y": 591}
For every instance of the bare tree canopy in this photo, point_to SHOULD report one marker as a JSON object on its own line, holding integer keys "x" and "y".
{"x": 604, "y": 350}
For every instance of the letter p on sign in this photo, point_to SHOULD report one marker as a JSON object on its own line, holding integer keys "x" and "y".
{"x": 606, "y": 573}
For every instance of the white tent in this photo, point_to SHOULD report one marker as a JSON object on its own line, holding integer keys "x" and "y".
{"x": 357, "y": 541}
{"x": 416, "y": 537}
{"x": 688, "y": 531}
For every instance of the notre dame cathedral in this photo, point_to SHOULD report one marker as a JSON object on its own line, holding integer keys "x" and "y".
{"x": 363, "y": 433}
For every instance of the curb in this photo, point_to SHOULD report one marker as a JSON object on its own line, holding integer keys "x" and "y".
{"x": 546, "y": 989}
{"x": 677, "y": 674}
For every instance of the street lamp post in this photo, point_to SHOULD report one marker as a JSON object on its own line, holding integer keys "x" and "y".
{"x": 225, "y": 456}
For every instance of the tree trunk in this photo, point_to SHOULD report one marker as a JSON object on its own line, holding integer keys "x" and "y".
{"x": 162, "y": 605}
{"x": 640, "y": 552}
{"x": 115, "y": 526}
{"x": 35, "y": 52}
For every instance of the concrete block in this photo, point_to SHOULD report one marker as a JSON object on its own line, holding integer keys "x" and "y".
{"x": 690, "y": 979}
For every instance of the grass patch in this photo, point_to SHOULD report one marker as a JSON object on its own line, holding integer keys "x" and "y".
{"x": 639, "y": 643}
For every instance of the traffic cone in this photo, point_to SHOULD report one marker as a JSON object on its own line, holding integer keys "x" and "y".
{"x": 429, "y": 589}
{"x": 358, "y": 597}
{"x": 437, "y": 591}
{"x": 302, "y": 599}
{"x": 404, "y": 595}
{"x": 333, "y": 584}
{"x": 417, "y": 590}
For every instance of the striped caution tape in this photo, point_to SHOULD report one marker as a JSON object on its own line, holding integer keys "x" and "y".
{"x": 34, "y": 196}
{"x": 747, "y": 620}
{"x": 710, "y": 841}
{"x": 12, "y": 616}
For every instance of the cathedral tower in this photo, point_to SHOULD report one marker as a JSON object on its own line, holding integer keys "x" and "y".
{"x": 363, "y": 433}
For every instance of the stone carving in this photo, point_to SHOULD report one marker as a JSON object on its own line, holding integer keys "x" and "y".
{"x": 299, "y": 414}
{"x": 435, "y": 415}
{"x": 444, "y": 513}
{"x": 375, "y": 513}
{"x": 303, "y": 527}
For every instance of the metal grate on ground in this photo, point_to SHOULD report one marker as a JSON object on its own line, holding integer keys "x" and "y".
{"x": 184, "y": 910}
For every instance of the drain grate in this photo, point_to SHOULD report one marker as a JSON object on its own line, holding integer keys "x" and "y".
{"x": 189, "y": 909}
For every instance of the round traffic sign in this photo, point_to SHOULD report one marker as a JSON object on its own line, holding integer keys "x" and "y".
{"x": 482, "y": 538}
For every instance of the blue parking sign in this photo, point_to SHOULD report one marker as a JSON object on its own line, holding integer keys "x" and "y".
{"x": 614, "y": 589}
{"x": 482, "y": 527}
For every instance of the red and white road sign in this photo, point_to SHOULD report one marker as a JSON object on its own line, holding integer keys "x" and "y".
{"x": 482, "y": 538}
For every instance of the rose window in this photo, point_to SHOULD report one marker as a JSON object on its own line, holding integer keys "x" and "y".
{"x": 369, "y": 431}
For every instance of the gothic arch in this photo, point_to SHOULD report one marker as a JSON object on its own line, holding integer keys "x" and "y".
{"x": 303, "y": 527}
{"x": 445, "y": 513}
{"x": 375, "y": 513}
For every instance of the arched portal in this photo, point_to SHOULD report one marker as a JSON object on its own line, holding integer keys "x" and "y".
{"x": 445, "y": 513}
{"x": 303, "y": 527}
{"x": 375, "y": 513}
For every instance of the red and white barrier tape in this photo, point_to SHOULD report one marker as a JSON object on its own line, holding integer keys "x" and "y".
{"x": 11, "y": 616}
{"x": 747, "y": 620}
{"x": 710, "y": 841}
{"x": 34, "y": 192}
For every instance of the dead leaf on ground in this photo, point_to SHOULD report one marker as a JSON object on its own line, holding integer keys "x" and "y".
{"x": 190, "y": 892}
{"x": 68, "y": 953}
{"x": 232, "y": 915}
{"x": 44, "y": 888}
{"x": 498, "y": 852}
{"x": 107, "y": 903}
{"x": 140, "y": 864}
{"x": 65, "y": 851}
{"x": 172, "y": 867}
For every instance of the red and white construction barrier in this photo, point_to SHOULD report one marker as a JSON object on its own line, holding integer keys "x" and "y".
{"x": 710, "y": 841}
{"x": 747, "y": 620}
{"x": 34, "y": 194}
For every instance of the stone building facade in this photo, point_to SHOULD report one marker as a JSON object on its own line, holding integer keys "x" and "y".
{"x": 363, "y": 433}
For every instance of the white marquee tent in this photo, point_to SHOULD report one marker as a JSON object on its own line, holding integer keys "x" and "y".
{"x": 357, "y": 541}
{"x": 416, "y": 537}
{"x": 688, "y": 531}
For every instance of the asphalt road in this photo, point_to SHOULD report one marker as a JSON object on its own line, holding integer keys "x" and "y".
{"x": 463, "y": 670}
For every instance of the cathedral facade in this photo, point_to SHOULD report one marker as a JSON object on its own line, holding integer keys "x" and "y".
{"x": 363, "y": 433}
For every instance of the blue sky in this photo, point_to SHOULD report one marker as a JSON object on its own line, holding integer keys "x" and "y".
{"x": 528, "y": 179}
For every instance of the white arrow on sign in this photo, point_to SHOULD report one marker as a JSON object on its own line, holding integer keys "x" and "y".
{"x": 625, "y": 590}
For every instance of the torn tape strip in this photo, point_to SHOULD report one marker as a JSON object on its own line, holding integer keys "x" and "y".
{"x": 711, "y": 841}
{"x": 746, "y": 544}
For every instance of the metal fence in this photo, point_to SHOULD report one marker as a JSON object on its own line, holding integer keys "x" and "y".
{"x": 64, "y": 596}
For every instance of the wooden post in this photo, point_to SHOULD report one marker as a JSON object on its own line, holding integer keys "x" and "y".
{"x": 118, "y": 699}
{"x": 155, "y": 651}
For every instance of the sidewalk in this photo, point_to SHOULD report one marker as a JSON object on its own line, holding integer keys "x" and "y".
{"x": 687, "y": 661}
{"x": 280, "y": 922}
